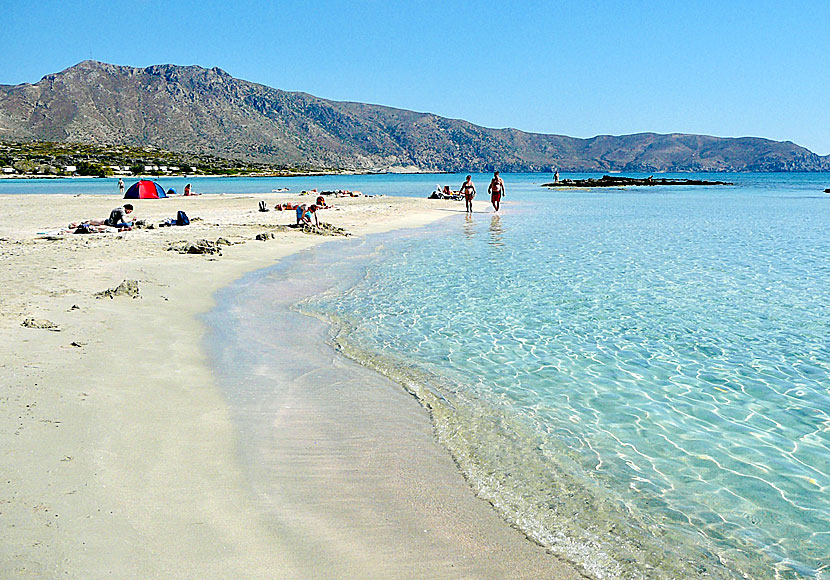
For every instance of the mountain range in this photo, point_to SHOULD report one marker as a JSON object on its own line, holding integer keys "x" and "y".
{"x": 192, "y": 109}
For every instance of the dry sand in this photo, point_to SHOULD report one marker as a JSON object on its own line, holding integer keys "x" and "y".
{"x": 119, "y": 458}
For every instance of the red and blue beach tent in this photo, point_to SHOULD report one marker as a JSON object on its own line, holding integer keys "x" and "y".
{"x": 145, "y": 189}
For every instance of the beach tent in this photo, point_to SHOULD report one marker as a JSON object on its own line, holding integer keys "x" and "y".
{"x": 145, "y": 189}
{"x": 171, "y": 191}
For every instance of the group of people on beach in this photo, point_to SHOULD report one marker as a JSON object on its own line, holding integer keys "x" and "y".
{"x": 306, "y": 214}
{"x": 495, "y": 189}
{"x": 119, "y": 218}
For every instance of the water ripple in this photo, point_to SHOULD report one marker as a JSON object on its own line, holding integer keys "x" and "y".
{"x": 639, "y": 381}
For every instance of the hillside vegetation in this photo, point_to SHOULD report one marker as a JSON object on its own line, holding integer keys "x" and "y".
{"x": 197, "y": 111}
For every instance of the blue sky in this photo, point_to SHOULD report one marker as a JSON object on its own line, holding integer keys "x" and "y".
{"x": 578, "y": 68}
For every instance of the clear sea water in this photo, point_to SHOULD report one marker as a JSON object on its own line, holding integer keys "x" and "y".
{"x": 417, "y": 185}
{"x": 638, "y": 379}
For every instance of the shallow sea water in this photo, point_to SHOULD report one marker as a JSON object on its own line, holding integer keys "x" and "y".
{"x": 638, "y": 379}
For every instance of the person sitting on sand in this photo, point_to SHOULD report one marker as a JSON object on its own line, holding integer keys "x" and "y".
{"x": 117, "y": 219}
{"x": 321, "y": 202}
{"x": 189, "y": 191}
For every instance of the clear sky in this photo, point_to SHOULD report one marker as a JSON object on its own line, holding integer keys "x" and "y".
{"x": 579, "y": 68}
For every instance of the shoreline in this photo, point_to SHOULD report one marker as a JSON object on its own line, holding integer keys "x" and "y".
{"x": 382, "y": 498}
{"x": 29, "y": 176}
{"x": 121, "y": 456}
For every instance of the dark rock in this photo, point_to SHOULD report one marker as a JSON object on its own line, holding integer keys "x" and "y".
{"x": 264, "y": 236}
{"x": 612, "y": 181}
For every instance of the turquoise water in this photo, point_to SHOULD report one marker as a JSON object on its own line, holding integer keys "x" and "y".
{"x": 410, "y": 185}
{"x": 418, "y": 185}
{"x": 638, "y": 379}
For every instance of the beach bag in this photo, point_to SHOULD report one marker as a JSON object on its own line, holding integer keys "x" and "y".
{"x": 182, "y": 219}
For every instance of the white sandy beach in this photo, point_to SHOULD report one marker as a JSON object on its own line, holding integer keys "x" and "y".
{"x": 120, "y": 459}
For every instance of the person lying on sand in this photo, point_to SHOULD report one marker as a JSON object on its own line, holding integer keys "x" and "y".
{"x": 91, "y": 229}
{"x": 117, "y": 219}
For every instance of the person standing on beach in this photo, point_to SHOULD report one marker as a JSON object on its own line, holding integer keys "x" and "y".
{"x": 468, "y": 190}
{"x": 496, "y": 190}
{"x": 121, "y": 186}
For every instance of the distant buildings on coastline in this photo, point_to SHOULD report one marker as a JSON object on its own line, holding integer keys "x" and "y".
{"x": 113, "y": 170}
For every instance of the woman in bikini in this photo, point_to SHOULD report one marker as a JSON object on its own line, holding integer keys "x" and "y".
{"x": 468, "y": 189}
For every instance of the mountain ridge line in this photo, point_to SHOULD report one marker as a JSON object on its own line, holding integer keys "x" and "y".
{"x": 192, "y": 109}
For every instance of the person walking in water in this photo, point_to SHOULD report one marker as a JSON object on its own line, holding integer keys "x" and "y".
{"x": 121, "y": 186}
{"x": 468, "y": 190}
{"x": 496, "y": 190}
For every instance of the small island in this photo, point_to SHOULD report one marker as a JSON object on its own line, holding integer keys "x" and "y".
{"x": 611, "y": 181}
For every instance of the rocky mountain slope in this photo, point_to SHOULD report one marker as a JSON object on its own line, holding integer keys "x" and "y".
{"x": 207, "y": 111}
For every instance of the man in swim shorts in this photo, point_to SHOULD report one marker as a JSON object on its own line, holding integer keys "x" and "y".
{"x": 468, "y": 190}
{"x": 496, "y": 190}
